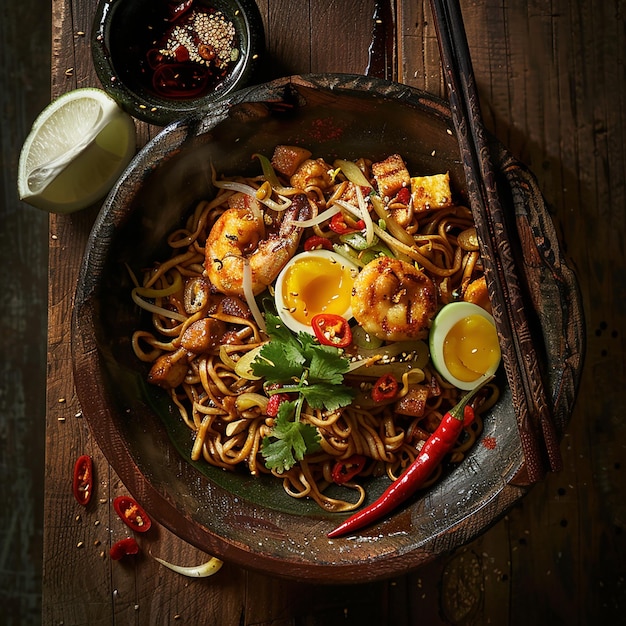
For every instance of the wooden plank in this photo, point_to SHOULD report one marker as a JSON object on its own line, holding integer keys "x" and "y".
{"x": 24, "y": 91}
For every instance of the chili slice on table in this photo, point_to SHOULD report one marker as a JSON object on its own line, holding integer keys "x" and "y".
{"x": 385, "y": 388}
{"x": 132, "y": 514}
{"x": 82, "y": 479}
{"x": 332, "y": 330}
{"x": 123, "y": 547}
{"x": 347, "y": 469}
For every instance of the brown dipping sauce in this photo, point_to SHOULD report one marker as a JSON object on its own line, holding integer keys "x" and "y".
{"x": 185, "y": 50}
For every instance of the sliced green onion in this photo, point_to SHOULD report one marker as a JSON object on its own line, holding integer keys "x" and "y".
{"x": 357, "y": 241}
{"x": 349, "y": 253}
{"x": 243, "y": 367}
{"x": 392, "y": 225}
{"x": 353, "y": 173}
{"x": 194, "y": 571}
{"x": 270, "y": 175}
{"x": 249, "y": 400}
{"x": 362, "y": 339}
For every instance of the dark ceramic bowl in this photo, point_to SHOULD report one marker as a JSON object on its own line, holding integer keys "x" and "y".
{"x": 123, "y": 32}
{"x": 249, "y": 521}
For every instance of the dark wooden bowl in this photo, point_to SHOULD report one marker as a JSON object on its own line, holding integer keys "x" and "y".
{"x": 252, "y": 522}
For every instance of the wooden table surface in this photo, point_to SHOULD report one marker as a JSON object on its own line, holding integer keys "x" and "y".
{"x": 551, "y": 76}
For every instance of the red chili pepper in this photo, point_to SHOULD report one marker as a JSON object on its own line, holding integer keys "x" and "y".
{"x": 132, "y": 514}
{"x": 346, "y": 470}
{"x": 123, "y": 548}
{"x": 317, "y": 242}
{"x": 339, "y": 225}
{"x": 82, "y": 481}
{"x": 432, "y": 453}
{"x": 332, "y": 330}
{"x": 385, "y": 388}
{"x": 274, "y": 402}
{"x": 176, "y": 9}
{"x": 468, "y": 415}
{"x": 404, "y": 195}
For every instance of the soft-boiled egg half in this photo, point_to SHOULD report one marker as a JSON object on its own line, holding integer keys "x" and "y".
{"x": 464, "y": 345}
{"x": 314, "y": 282}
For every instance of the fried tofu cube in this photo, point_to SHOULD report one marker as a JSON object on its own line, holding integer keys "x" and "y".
{"x": 287, "y": 159}
{"x": 349, "y": 194}
{"x": 391, "y": 175}
{"x": 431, "y": 192}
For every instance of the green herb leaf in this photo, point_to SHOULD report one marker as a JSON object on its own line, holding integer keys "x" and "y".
{"x": 315, "y": 373}
{"x": 290, "y": 440}
{"x": 326, "y": 396}
{"x": 278, "y": 362}
{"x": 326, "y": 365}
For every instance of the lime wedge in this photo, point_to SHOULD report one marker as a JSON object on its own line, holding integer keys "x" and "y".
{"x": 76, "y": 150}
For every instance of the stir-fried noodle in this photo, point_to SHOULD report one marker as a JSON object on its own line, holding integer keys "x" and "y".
{"x": 207, "y": 305}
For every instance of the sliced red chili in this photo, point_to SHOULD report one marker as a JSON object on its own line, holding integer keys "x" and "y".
{"x": 347, "y": 469}
{"x": 317, "y": 242}
{"x": 332, "y": 330}
{"x": 123, "y": 547}
{"x": 132, "y": 514}
{"x": 339, "y": 225}
{"x": 82, "y": 480}
{"x": 385, "y": 388}
{"x": 176, "y": 9}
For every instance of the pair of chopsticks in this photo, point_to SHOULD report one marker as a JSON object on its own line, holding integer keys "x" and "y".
{"x": 538, "y": 435}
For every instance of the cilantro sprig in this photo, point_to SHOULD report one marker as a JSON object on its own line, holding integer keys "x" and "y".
{"x": 298, "y": 364}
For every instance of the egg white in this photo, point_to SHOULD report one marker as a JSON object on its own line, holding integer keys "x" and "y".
{"x": 449, "y": 315}
{"x": 287, "y": 318}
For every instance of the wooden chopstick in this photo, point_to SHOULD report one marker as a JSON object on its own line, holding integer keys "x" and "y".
{"x": 538, "y": 435}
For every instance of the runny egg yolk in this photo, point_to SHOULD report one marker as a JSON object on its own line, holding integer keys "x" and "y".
{"x": 317, "y": 285}
{"x": 471, "y": 348}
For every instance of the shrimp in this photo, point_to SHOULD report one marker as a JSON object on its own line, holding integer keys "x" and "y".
{"x": 393, "y": 300}
{"x": 241, "y": 235}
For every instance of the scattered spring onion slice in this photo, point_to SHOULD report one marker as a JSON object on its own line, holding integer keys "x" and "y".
{"x": 203, "y": 570}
